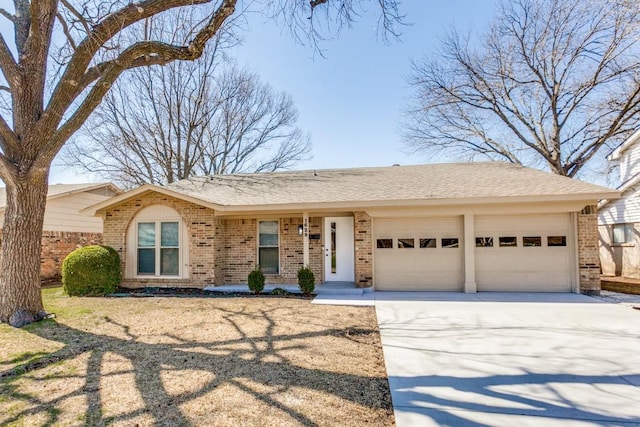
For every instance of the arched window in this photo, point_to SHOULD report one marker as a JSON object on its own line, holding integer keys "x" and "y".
{"x": 157, "y": 244}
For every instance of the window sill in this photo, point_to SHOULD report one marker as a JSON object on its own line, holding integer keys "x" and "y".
{"x": 623, "y": 245}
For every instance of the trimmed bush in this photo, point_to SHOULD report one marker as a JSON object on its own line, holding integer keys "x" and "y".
{"x": 256, "y": 281}
{"x": 91, "y": 270}
{"x": 306, "y": 280}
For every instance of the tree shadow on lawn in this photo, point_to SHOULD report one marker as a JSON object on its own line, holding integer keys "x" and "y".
{"x": 257, "y": 366}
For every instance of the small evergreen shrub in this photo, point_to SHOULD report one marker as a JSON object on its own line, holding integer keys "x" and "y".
{"x": 256, "y": 281}
{"x": 306, "y": 280}
{"x": 91, "y": 270}
{"x": 279, "y": 291}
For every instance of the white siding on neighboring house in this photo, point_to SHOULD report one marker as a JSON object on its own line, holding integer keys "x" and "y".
{"x": 63, "y": 214}
{"x": 623, "y": 210}
{"x": 629, "y": 163}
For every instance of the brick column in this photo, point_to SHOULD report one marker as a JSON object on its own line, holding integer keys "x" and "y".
{"x": 588, "y": 253}
{"x": 364, "y": 249}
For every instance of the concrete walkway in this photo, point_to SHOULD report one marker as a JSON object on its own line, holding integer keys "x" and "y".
{"x": 497, "y": 359}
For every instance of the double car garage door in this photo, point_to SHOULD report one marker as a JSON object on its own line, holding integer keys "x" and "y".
{"x": 512, "y": 253}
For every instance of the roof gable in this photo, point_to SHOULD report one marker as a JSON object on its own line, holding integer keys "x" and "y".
{"x": 625, "y": 146}
{"x": 60, "y": 190}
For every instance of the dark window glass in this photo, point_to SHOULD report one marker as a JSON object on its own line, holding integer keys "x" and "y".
{"x": 557, "y": 241}
{"x": 508, "y": 241}
{"x": 406, "y": 243}
{"x": 146, "y": 261}
{"x": 428, "y": 243}
{"x": 269, "y": 260}
{"x": 484, "y": 242}
{"x": 384, "y": 243}
{"x": 450, "y": 243}
{"x": 532, "y": 241}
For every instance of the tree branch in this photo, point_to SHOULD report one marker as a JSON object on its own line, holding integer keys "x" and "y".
{"x": 68, "y": 87}
{"x": 133, "y": 56}
{"x": 8, "y": 139}
{"x": 8, "y": 64}
{"x": 7, "y": 15}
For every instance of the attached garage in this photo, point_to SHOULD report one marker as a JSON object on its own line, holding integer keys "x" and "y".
{"x": 418, "y": 254}
{"x": 524, "y": 253}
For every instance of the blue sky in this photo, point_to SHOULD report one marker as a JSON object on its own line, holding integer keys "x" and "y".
{"x": 351, "y": 100}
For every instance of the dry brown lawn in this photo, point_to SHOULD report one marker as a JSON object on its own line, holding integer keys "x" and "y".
{"x": 194, "y": 361}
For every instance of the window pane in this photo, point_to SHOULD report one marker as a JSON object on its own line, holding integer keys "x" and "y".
{"x": 532, "y": 241}
{"x": 508, "y": 241}
{"x": 334, "y": 251}
{"x": 384, "y": 243}
{"x": 449, "y": 243}
{"x": 268, "y": 233}
{"x": 169, "y": 234}
{"x": 146, "y": 261}
{"x": 618, "y": 233}
{"x": 427, "y": 243}
{"x": 557, "y": 241}
{"x": 146, "y": 234}
{"x": 268, "y": 260}
{"x": 484, "y": 242}
{"x": 629, "y": 233}
{"x": 169, "y": 261}
{"x": 406, "y": 243}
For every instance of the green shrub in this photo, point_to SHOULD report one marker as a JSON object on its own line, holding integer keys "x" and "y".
{"x": 256, "y": 281}
{"x": 91, "y": 270}
{"x": 306, "y": 280}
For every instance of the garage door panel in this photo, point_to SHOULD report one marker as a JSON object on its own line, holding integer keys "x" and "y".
{"x": 433, "y": 269}
{"x": 537, "y": 268}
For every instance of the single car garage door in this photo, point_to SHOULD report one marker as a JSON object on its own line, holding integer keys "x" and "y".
{"x": 418, "y": 254}
{"x": 531, "y": 253}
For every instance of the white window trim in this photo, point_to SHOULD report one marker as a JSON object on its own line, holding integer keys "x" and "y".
{"x": 258, "y": 246}
{"x": 158, "y": 249}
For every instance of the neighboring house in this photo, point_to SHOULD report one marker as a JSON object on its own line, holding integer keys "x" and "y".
{"x": 619, "y": 220}
{"x": 65, "y": 228}
{"x": 441, "y": 227}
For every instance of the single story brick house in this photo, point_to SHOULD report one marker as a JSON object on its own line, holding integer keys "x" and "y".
{"x": 65, "y": 228}
{"x": 441, "y": 227}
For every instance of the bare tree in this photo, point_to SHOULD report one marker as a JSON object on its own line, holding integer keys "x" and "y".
{"x": 549, "y": 84}
{"x": 56, "y": 67}
{"x": 186, "y": 119}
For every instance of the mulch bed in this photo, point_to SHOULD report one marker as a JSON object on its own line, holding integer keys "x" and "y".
{"x": 196, "y": 292}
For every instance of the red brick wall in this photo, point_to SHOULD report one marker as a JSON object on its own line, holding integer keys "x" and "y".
{"x": 56, "y": 245}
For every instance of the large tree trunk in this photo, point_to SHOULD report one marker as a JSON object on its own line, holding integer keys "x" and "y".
{"x": 20, "y": 298}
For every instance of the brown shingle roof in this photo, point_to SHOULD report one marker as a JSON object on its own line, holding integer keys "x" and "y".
{"x": 383, "y": 184}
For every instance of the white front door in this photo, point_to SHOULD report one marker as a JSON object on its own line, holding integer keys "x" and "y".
{"x": 338, "y": 249}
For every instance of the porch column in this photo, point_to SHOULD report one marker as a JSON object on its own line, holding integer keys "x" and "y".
{"x": 469, "y": 255}
{"x": 305, "y": 239}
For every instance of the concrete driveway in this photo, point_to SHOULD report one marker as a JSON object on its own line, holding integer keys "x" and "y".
{"x": 498, "y": 359}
